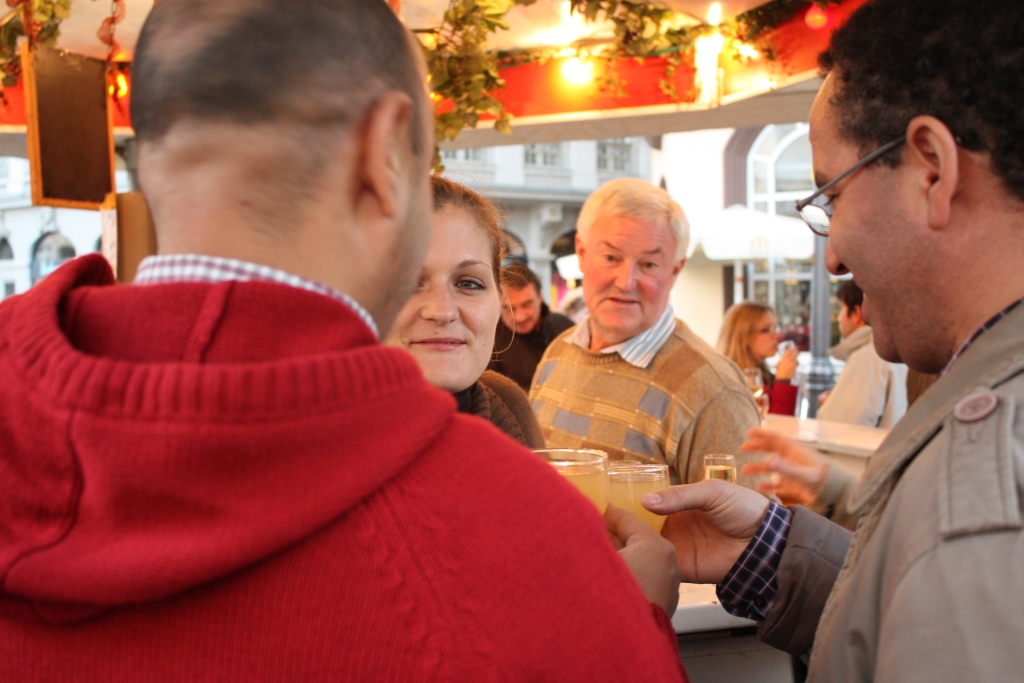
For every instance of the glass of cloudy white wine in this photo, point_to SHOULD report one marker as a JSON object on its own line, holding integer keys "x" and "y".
{"x": 587, "y": 470}
{"x": 628, "y": 481}
{"x": 720, "y": 466}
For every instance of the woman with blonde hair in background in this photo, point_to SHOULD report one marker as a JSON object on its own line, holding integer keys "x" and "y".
{"x": 748, "y": 338}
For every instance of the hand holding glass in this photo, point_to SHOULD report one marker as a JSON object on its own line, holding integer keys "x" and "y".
{"x": 628, "y": 481}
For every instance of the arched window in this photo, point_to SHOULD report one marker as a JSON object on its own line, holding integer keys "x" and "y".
{"x": 779, "y": 169}
{"x": 515, "y": 250}
{"x": 779, "y": 172}
{"x": 49, "y": 253}
{"x": 6, "y": 253}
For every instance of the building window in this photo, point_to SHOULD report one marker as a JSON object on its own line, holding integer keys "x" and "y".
{"x": 515, "y": 250}
{"x": 779, "y": 169}
{"x": 548, "y": 154}
{"x": 8, "y": 289}
{"x": 477, "y": 155}
{"x": 779, "y": 172}
{"x": 50, "y": 252}
{"x": 615, "y": 156}
{"x": 14, "y": 177}
{"x": 6, "y": 253}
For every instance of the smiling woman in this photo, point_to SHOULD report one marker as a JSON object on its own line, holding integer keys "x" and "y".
{"x": 448, "y": 324}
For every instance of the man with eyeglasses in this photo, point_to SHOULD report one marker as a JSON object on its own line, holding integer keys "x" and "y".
{"x": 918, "y": 141}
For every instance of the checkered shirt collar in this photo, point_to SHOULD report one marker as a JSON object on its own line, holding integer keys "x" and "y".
{"x": 158, "y": 270}
{"x": 638, "y": 351}
{"x": 981, "y": 330}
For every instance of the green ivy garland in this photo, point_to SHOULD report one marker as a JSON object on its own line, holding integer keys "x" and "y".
{"x": 464, "y": 73}
{"x": 755, "y": 24}
{"x": 43, "y": 27}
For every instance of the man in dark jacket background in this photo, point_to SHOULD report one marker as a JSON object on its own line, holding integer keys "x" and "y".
{"x": 527, "y": 326}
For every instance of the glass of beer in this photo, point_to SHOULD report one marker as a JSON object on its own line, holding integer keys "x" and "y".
{"x": 720, "y": 467}
{"x": 586, "y": 469}
{"x": 627, "y": 481}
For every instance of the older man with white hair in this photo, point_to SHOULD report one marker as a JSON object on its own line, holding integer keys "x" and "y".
{"x": 631, "y": 379}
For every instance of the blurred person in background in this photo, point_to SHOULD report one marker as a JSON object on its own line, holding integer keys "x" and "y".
{"x": 448, "y": 323}
{"x": 574, "y": 306}
{"x": 749, "y": 337}
{"x": 870, "y": 391}
{"x": 631, "y": 379}
{"x": 801, "y": 476}
{"x": 527, "y": 326}
{"x": 218, "y": 473}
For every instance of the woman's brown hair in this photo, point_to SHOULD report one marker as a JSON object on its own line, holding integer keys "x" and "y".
{"x": 451, "y": 194}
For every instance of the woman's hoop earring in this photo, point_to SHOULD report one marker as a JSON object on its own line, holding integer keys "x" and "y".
{"x": 511, "y": 314}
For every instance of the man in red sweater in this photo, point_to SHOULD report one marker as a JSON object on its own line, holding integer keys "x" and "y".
{"x": 218, "y": 473}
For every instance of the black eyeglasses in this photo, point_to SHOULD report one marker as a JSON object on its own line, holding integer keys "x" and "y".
{"x": 816, "y": 210}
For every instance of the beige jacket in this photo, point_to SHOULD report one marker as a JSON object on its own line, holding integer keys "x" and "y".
{"x": 932, "y": 587}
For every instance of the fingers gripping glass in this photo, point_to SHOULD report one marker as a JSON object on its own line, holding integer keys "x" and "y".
{"x": 816, "y": 210}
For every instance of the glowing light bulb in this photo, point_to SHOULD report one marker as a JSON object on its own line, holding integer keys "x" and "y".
{"x": 577, "y": 71}
{"x": 715, "y": 14}
{"x": 748, "y": 51}
{"x": 816, "y": 18}
{"x": 121, "y": 81}
{"x": 705, "y": 62}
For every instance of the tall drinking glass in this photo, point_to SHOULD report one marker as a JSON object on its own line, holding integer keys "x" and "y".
{"x": 586, "y": 469}
{"x": 628, "y": 481}
{"x": 720, "y": 466}
{"x": 755, "y": 382}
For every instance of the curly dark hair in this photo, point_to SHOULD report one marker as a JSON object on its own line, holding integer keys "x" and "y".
{"x": 961, "y": 61}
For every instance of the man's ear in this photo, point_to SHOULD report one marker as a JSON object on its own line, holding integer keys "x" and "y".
{"x": 580, "y": 250}
{"x": 678, "y": 267}
{"x": 857, "y": 316}
{"x": 932, "y": 148}
{"x": 386, "y": 154}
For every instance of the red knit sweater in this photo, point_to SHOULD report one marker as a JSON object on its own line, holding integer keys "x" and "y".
{"x": 235, "y": 482}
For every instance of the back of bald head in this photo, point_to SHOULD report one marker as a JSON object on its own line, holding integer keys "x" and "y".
{"x": 312, "y": 64}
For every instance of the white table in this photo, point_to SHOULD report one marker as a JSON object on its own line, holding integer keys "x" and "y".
{"x": 847, "y": 444}
{"x": 717, "y": 647}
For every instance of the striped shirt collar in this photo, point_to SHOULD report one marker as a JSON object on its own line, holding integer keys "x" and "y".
{"x": 155, "y": 270}
{"x": 639, "y": 350}
{"x": 981, "y": 330}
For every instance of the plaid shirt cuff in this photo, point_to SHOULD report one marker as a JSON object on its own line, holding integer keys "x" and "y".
{"x": 748, "y": 590}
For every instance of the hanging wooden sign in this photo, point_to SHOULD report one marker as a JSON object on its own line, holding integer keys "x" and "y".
{"x": 69, "y": 128}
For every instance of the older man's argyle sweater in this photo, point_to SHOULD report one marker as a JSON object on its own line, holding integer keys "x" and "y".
{"x": 690, "y": 401}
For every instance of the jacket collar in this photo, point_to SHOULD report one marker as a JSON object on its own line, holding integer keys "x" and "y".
{"x": 858, "y": 338}
{"x": 995, "y": 357}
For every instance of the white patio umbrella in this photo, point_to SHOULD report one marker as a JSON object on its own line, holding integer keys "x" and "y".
{"x": 742, "y": 234}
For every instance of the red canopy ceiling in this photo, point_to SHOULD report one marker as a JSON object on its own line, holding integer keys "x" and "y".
{"x": 537, "y": 90}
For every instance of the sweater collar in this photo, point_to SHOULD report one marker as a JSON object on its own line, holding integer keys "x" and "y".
{"x": 638, "y": 351}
